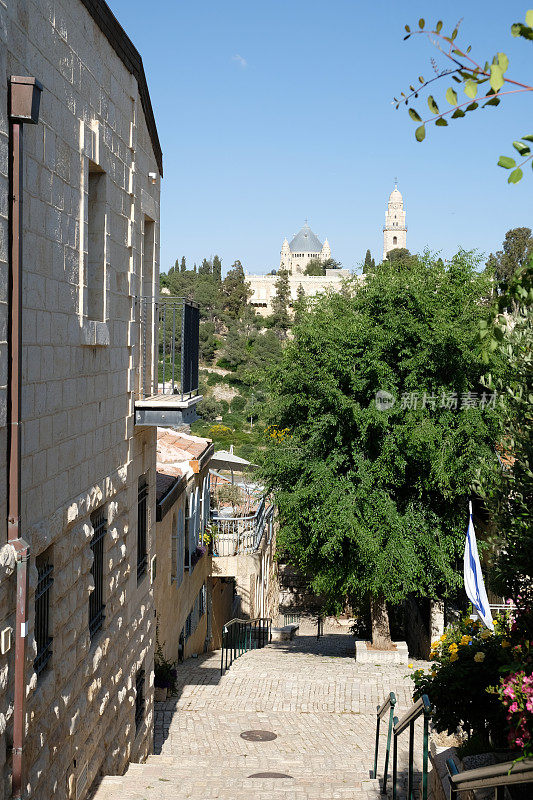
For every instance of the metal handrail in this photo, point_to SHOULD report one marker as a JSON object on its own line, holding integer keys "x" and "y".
{"x": 422, "y": 706}
{"x": 495, "y": 776}
{"x": 246, "y": 531}
{"x": 389, "y": 703}
{"x": 241, "y": 635}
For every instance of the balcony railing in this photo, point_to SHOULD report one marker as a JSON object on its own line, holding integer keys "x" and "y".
{"x": 240, "y": 535}
{"x": 166, "y": 388}
{"x": 169, "y": 347}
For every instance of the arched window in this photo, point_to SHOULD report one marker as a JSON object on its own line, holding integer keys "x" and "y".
{"x": 395, "y": 240}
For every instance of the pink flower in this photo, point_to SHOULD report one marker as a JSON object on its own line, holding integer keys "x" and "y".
{"x": 513, "y": 708}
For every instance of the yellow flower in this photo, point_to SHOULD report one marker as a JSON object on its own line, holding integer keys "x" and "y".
{"x": 454, "y": 656}
{"x": 434, "y": 645}
{"x": 466, "y": 639}
{"x": 486, "y": 634}
{"x": 479, "y": 657}
{"x": 410, "y": 666}
{"x": 433, "y": 672}
{"x": 453, "y": 648}
{"x": 443, "y": 637}
{"x": 505, "y": 643}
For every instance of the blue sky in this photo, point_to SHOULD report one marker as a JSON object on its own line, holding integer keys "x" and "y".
{"x": 271, "y": 111}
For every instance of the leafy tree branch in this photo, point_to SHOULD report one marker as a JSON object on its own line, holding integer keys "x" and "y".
{"x": 472, "y": 76}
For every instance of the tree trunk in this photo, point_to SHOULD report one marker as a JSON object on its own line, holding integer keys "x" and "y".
{"x": 381, "y": 638}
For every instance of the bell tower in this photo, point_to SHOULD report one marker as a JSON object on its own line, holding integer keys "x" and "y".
{"x": 395, "y": 229}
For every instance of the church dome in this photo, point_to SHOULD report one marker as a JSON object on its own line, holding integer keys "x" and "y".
{"x": 305, "y": 241}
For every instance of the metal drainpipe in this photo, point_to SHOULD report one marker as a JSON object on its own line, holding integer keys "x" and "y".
{"x": 24, "y": 98}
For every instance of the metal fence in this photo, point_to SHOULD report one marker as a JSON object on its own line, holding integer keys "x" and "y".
{"x": 170, "y": 346}
{"x": 240, "y": 535}
{"x": 241, "y": 635}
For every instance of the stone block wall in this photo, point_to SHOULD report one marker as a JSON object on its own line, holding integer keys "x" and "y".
{"x": 80, "y": 448}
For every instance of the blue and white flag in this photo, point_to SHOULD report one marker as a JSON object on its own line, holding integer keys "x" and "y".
{"x": 474, "y": 585}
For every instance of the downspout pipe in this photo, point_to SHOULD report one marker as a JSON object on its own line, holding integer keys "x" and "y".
{"x": 24, "y": 101}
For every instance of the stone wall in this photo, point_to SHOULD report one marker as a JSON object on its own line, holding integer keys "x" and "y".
{"x": 222, "y": 607}
{"x": 175, "y": 599}
{"x": 255, "y": 577}
{"x": 80, "y": 448}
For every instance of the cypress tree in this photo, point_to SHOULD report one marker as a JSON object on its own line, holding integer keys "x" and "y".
{"x": 183, "y": 264}
{"x": 217, "y": 268}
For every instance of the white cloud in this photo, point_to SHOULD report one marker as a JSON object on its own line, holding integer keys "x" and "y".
{"x": 240, "y": 60}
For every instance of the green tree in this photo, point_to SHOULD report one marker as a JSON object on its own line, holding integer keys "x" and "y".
{"x": 206, "y": 267}
{"x": 373, "y": 499}
{"x": 398, "y": 254}
{"x": 508, "y": 486}
{"x": 280, "y": 304}
{"x": 315, "y": 267}
{"x": 369, "y": 264}
{"x": 517, "y": 247}
{"x": 236, "y": 291}
{"x": 217, "y": 268}
{"x": 183, "y": 264}
{"x": 318, "y": 267}
{"x": 483, "y": 85}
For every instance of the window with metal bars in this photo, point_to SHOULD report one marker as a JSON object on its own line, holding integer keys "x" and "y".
{"x": 139, "y": 699}
{"x": 142, "y": 527}
{"x": 45, "y": 570}
{"x": 188, "y": 625}
{"x": 96, "y": 598}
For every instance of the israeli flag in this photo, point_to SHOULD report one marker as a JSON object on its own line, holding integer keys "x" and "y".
{"x": 474, "y": 585}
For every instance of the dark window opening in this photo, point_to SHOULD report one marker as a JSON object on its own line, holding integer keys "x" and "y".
{"x": 42, "y": 613}
{"x": 139, "y": 699}
{"x": 142, "y": 527}
{"x": 96, "y": 598}
{"x": 395, "y": 240}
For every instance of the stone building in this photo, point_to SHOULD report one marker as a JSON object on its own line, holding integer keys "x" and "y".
{"x": 183, "y": 588}
{"x": 395, "y": 229}
{"x": 90, "y": 233}
{"x": 303, "y": 248}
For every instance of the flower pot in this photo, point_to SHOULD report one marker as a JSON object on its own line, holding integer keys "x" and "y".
{"x": 160, "y": 694}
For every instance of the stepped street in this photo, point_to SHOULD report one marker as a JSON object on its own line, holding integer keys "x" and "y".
{"x": 312, "y": 695}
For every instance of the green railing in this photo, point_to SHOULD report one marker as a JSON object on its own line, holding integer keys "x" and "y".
{"x": 421, "y": 707}
{"x": 241, "y": 635}
{"x": 495, "y": 776}
{"x": 389, "y": 704}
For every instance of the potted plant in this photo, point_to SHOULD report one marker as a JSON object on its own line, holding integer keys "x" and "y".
{"x": 165, "y": 673}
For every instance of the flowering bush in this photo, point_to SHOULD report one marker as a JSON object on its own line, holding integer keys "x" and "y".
{"x": 516, "y": 695}
{"x": 466, "y": 660}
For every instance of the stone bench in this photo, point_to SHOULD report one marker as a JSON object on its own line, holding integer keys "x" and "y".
{"x": 285, "y": 633}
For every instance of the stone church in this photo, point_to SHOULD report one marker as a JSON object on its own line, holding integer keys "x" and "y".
{"x": 305, "y": 246}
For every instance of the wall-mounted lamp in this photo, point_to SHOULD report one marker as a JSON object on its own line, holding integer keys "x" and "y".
{"x": 153, "y": 176}
{"x": 25, "y": 99}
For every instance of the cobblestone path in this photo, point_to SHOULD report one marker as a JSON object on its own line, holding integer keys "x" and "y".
{"x": 312, "y": 695}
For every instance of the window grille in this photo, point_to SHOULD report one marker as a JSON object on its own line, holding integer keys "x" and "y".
{"x": 188, "y": 625}
{"x": 42, "y": 614}
{"x": 139, "y": 699}
{"x": 96, "y": 598}
{"x": 142, "y": 527}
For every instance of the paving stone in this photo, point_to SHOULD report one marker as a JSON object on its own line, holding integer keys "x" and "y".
{"x": 312, "y": 694}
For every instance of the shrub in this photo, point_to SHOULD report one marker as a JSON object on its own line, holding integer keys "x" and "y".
{"x": 466, "y": 661}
